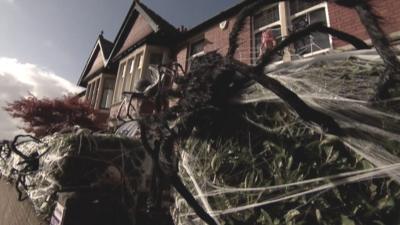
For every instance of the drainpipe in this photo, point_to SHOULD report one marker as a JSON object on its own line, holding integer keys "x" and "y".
{"x": 285, "y": 22}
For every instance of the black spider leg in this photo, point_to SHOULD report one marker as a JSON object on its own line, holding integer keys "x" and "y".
{"x": 241, "y": 18}
{"x": 238, "y": 26}
{"x": 371, "y": 22}
{"x": 306, "y": 112}
{"x": 267, "y": 56}
{"x": 13, "y": 145}
{"x": 303, "y": 110}
{"x": 155, "y": 192}
{"x": 172, "y": 176}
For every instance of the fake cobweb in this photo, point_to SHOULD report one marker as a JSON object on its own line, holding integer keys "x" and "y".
{"x": 292, "y": 172}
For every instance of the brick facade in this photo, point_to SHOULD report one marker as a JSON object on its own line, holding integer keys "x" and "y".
{"x": 216, "y": 38}
{"x": 347, "y": 20}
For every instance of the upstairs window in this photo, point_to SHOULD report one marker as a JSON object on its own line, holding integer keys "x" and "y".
{"x": 108, "y": 90}
{"x": 197, "y": 48}
{"x": 266, "y": 16}
{"x": 301, "y": 5}
{"x": 267, "y": 31}
{"x": 315, "y": 42}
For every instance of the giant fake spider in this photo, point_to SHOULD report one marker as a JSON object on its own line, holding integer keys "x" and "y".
{"x": 204, "y": 92}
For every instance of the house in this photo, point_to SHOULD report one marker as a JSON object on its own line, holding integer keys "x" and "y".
{"x": 146, "y": 39}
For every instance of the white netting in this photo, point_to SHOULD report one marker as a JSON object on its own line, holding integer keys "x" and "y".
{"x": 341, "y": 85}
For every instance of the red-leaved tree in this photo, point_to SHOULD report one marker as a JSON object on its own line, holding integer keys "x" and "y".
{"x": 46, "y": 116}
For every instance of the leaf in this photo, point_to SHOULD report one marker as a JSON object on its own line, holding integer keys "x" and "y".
{"x": 291, "y": 215}
{"x": 347, "y": 221}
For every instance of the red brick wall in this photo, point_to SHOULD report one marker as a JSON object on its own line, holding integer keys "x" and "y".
{"x": 218, "y": 39}
{"x": 348, "y": 21}
{"x": 181, "y": 56}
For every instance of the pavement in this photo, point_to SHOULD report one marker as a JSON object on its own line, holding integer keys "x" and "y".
{"x": 14, "y": 212}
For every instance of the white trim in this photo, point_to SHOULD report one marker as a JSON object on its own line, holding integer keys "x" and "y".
{"x": 261, "y": 29}
{"x": 308, "y": 10}
{"x": 278, "y": 22}
{"x": 197, "y": 54}
{"x": 323, "y": 5}
{"x": 328, "y": 23}
{"x": 316, "y": 52}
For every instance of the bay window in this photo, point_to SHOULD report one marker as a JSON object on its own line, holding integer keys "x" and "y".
{"x": 108, "y": 90}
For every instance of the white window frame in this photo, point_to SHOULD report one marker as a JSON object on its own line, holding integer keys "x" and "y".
{"x": 194, "y": 42}
{"x": 261, "y": 29}
{"x": 189, "y": 50}
{"x": 322, "y": 5}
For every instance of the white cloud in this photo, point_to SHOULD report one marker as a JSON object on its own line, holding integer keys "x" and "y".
{"x": 9, "y": 1}
{"x": 18, "y": 80}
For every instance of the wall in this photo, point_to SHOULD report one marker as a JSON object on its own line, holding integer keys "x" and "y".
{"x": 218, "y": 39}
{"x": 347, "y": 20}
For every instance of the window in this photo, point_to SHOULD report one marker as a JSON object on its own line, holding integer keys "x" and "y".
{"x": 95, "y": 90}
{"x": 197, "y": 48}
{"x": 265, "y": 17}
{"x": 120, "y": 83}
{"x": 129, "y": 75}
{"x": 316, "y": 41}
{"x": 267, "y": 31}
{"x": 300, "y": 5}
{"x": 106, "y": 97}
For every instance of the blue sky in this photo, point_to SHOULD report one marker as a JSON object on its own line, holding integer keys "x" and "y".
{"x": 57, "y": 35}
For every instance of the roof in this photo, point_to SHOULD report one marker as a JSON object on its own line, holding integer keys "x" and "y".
{"x": 163, "y": 24}
{"x": 102, "y": 46}
{"x": 156, "y": 22}
{"x": 106, "y": 46}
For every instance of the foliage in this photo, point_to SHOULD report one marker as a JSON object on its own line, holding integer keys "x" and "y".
{"x": 286, "y": 152}
{"x": 46, "y": 116}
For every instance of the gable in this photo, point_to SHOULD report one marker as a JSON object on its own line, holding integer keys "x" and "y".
{"x": 97, "y": 64}
{"x": 139, "y": 30}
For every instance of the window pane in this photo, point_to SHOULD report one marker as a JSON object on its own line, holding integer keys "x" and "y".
{"x": 128, "y": 76}
{"x": 320, "y": 40}
{"x": 301, "y": 46}
{"x": 314, "y": 42}
{"x": 107, "y": 93}
{"x": 267, "y": 39}
{"x": 94, "y": 97}
{"x": 120, "y": 83}
{"x": 266, "y": 17}
{"x": 300, "y": 5}
{"x": 197, "y": 47}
